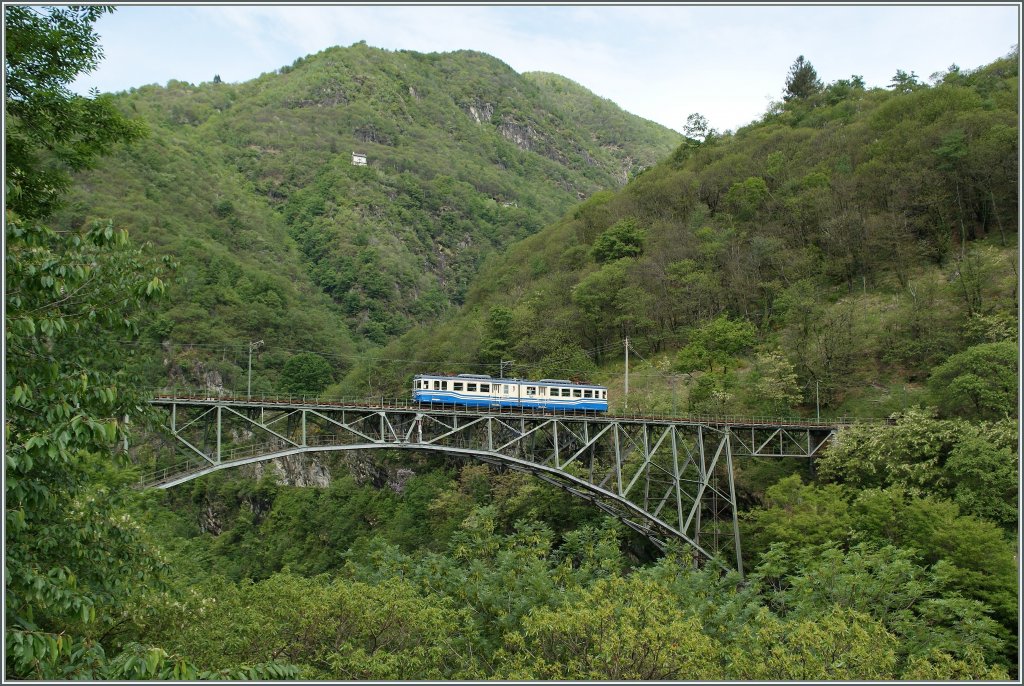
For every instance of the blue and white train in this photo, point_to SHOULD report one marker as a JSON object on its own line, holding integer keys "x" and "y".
{"x": 481, "y": 390}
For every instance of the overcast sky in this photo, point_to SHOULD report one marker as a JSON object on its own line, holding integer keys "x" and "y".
{"x": 661, "y": 62}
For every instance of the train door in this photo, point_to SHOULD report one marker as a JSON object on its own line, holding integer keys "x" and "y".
{"x": 493, "y": 394}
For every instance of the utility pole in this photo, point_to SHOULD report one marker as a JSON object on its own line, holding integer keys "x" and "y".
{"x": 674, "y": 380}
{"x": 626, "y": 393}
{"x": 817, "y": 403}
{"x": 252, "y": 346}
{"x": 501, "y": 367}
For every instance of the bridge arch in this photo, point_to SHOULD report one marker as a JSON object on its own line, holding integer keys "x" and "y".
{"x": 633, "y": 516}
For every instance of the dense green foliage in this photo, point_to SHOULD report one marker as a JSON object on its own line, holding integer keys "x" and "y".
{"x": 76, "y": 564}
{"x": 503, "y": 596}
{"x": 980, "y": 382}
{"x": 305, "y": 374}
{"x": 49, "y": 132}
{"x": 862, "y": 234}
{"x": 281, "y": 238}
{"x": 853, "y": 239}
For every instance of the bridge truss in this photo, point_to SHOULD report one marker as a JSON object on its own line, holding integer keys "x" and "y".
{"x": 667, "y": 479}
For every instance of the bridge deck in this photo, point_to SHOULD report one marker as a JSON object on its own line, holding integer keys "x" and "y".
{"x": 282, "y": 402}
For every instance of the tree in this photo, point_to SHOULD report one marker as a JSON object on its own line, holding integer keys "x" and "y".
{"x": 914, "y": 602}
{"x": 775, "y": 383}
{"x": 798, "y": 514}
{"x": 305, "y": 374}
{"x": 597, "y": 303}
{"x": 75, "y": 563}
{"x": 980, "y": 560}
{"x": 624, "y": 239}
{"x": 903, "y": 82}
{"x": 838, "y": 645}
{"x": 619, "y": 629}
{"x": 72, "y": 558}
{"x": 51, "y": 132}
{"x": 498, "y": 338}
{"x": 802, "y": 81}
{"x": 716, "y": 342}
{"x": 698, "y": 128}
{"x": 709, "y": 394}
{"x": 745, "y": 199}
{"x": 978, "y": 383}
{"x": 331, "y": 628}
{"x": 984, "y": 470}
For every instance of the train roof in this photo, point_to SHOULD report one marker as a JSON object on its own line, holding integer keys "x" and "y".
{"x": 485, "y": 377}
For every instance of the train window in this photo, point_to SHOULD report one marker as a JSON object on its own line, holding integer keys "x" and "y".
{"x": 504, "y": 389}
{"x": 444, "y": 385}
{"x": 588, "y": 393}
{"x": 565, "y": 392}
{"x": 604, "y": 395}
{"x": 485, "y": 388}
{"x": 437, "y": 385}
{"x": 456, "y": 385}
{"x": 471, "y": 387}
{"x": 531, "y": 390}
{"x": 577, "y": 393}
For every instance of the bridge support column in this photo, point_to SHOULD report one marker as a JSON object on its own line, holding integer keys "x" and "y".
{"x": 554, "y": 428}
{"x": 703, "y": 477}
{"x": 732, "y": 502}
{"x": 675, "y": 478}
{"x": 647, "y": 471}
{"x": 219, "y": 425}
{"x": 618, "y": 460}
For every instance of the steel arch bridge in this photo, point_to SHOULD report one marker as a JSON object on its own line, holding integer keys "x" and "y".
{"x": 667, "y": 479}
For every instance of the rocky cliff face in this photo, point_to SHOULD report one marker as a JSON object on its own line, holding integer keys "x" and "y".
{"x": 302, "y": 470}
{"x": 317, "y": 470}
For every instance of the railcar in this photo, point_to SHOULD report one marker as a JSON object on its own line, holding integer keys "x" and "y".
{"x": 482, "y": 390}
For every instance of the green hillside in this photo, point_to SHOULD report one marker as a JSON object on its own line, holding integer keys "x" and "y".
{"x": 252, "y": 189}
{"x": 827, "y": 257}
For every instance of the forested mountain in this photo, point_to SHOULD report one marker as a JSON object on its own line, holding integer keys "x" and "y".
{"x": 857, "y": 244}
{"x": 833, "y": 252}
{"x": 278, "y": 236}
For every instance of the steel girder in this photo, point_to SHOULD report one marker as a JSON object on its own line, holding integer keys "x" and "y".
{"x": 669, "y": 480}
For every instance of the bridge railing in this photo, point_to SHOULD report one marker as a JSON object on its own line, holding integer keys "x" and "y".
{"x": 404, "y": 403}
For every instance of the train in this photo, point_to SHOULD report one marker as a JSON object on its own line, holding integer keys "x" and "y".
{"x": 482, "y": 390}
